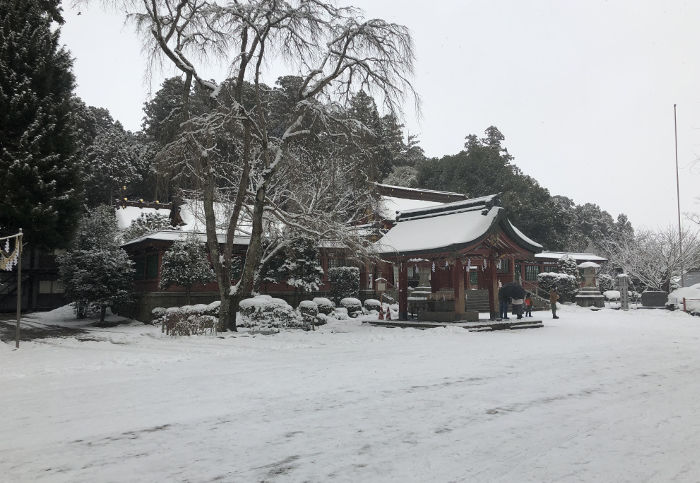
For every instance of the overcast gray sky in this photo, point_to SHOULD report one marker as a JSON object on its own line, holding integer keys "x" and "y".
{"x": 583, "y": 90}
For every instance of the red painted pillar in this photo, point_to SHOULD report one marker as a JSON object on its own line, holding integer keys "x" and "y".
{"x": 403, "y": 290}
{"x": 458, "y": 285}
{"x": 493, "y": 287}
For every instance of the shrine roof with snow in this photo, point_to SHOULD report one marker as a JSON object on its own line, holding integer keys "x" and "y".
{"x": 451, "y": 227}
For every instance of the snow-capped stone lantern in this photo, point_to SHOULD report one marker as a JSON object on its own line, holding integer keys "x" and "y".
{"x": 589, "y": 295}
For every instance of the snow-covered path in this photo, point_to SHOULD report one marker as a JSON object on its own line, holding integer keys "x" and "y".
{"x": 605, "y": 396}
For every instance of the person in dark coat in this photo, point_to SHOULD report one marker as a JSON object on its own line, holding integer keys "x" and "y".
{"x": 503, "y": 300}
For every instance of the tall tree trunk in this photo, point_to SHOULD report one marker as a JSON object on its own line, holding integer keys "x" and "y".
{"x": 253, "y": 255}
{"x": 103, "y": 313}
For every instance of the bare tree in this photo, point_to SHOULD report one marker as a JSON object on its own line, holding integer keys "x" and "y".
{"x": 653, "y": 257}
{"x": 335, "y": 52}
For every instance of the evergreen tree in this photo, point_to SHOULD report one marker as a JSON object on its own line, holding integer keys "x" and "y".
{"x": 40, "y": 179}
{"x": 96, "y": 272}
{"x": 185, "y": 264}
{"x": 301, "y": 267}
{"x": 145, "y": 224}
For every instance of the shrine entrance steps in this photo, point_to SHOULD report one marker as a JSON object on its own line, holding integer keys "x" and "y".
{"x": 480, "y": 326}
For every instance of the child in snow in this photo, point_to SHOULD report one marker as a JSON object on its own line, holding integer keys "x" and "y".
{"x": 528, "y": 305}
{"x": 518, "y": 307}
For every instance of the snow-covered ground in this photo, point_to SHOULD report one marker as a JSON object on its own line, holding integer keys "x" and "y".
{"x": 593, "y": 396}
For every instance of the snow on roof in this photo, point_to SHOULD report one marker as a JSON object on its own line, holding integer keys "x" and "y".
{"x": 178, "y": 235}
{"x": 523, "y": 236}
{"x": 588, "y": 265}
{"x": 390, "y": 205}
{"x": 418, "y": 190}
{"x": 127, "y": 214}
{"x": 588, "y": 257}
{"x": 192, "y": 214}
{"x": 434, "y": 232}
{"x": 441, "y": 209}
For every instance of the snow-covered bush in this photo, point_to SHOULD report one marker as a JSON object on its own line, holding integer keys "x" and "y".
{"x": 213, "y": 309}
{"x": 145, "y": 224}
{"x": 692, "y": 296}
{"x": 187, "y": 320}
{"x": 611, "y": 295}
{"x": 325, "y": 306}
{"x": 373, "y": 304}
{"x": 345, "y": 282}
{"x": 568, "y": 265}
{"x": 353, "y": 306}
{"x": 157, "y": 315}
{"x": 185, "y": 264}
{"x": 308, "y": 311}
{"x": 340, "y": 313}
{"x": 300, "y": 266}
{"x": 263, "y": 311}
{"x": 566, "y": 284}
{"x": 605, "y": 282}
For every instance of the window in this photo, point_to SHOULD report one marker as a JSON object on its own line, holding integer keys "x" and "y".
{"x": 50, "y": 287}
{"x": 503, "y": 265}
{"x": 334, "y": 261}
{"x": 531, "y": 272}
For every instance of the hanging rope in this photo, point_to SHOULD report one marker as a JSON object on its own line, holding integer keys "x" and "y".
{"x": 8, "y": 259}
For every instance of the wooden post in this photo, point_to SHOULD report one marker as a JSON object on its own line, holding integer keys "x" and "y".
{"x": 493, "y": 287}
{"x": 458, "y": 286}
{"x": 18, "y": 240}
{"x": 403, "y": 290}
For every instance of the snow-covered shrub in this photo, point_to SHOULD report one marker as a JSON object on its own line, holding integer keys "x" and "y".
{"x": 325, "y": 306}
{"x": 692, "y": 296}
{"x": 188, "y": 320}
{"x": 345, "y": 282}
{"x": 353, "y": 306}
{"x": 605, "y": 282}
{"x": 308, "y": 311}
{"x": 263, "y": 311}
{"x": 145, "y": 224}
{"x": 373, "y": 304}
{"x": 568, "y": 265}
{"x": 185, "y": 264}
{"x": 566, "y": 284}
{"x": 321, "y": 319}
{"x": 213, "y": 309}
{"x": 157, "y": 315}
{"x": 611, "y": 295}
{"x": 299, "y": 266}
{"x": 340, "y": 313}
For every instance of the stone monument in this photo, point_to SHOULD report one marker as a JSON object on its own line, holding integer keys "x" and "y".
{"x": 622, "y": 283}
{"x": 589, "y": 295}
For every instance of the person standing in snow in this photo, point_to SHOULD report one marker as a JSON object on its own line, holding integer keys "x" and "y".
{"x": 503, "y": 303}
{"x": 528, "y": 305}
{"x": 518, "y": 307}
{"x": 553, "y": 297}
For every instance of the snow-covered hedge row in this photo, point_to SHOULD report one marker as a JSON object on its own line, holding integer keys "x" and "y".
{"x": 566, "y": 284}
{"x": 188, "y": 319}
{"x": 266, "y": 312}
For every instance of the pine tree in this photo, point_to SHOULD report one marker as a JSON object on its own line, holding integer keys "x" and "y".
{"x": 96, "y": 272}
{"x": 145, "y": 224}
{"x": 40, "y": 179}
{"x": 185, "y": 264}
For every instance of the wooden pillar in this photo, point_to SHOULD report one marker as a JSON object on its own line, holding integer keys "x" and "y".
{"x": 403, "y": 290}
{"x": 458, "y": 285}
{"x": 492, "y": 279}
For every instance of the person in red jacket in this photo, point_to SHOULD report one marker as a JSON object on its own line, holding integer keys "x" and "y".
{"x": 528, "y": 305}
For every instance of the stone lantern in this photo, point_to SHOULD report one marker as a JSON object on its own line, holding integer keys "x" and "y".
{"x": 589, "y": 295}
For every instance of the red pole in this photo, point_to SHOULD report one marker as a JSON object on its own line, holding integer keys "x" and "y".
{"x": 684, "y": 308}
